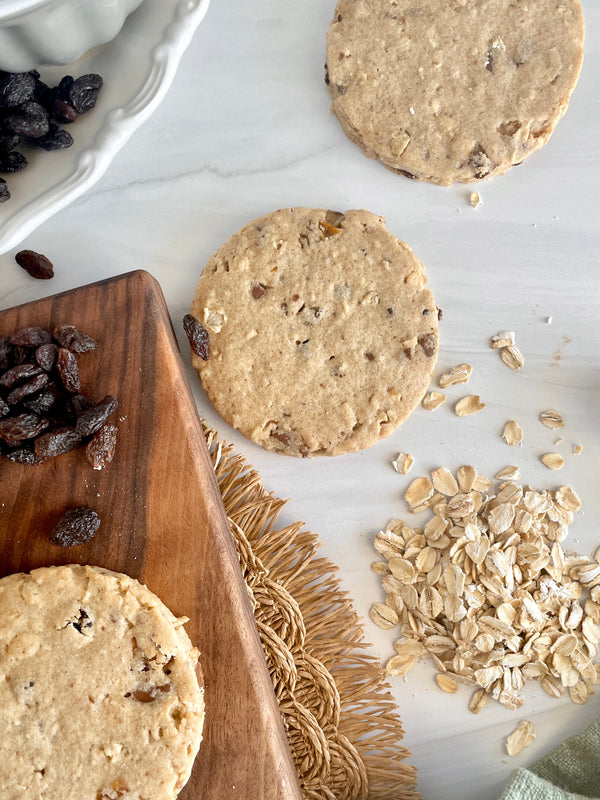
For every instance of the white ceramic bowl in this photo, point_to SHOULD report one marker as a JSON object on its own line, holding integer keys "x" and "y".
{"x": 37, "y": 32}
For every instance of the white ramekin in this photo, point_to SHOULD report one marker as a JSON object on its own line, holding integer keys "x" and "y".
{"x": 38, "y": 32}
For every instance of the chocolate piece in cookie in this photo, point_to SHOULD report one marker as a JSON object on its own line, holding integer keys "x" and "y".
{"x": 323, "y": 335}
{"x": 452, "y": 90}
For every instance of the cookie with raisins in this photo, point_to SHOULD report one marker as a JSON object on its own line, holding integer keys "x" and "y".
{"x": 452, "y": 90}
{"x": 321, "y": 332}
{"x": 100, "y": 697}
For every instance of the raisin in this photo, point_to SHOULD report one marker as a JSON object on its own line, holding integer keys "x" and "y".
{"x": 23, "y": 456}
{"x": 4, "y": 408}
{"x": 31, "y": 337}
{"x": 17, "y": 429}
{"x": 77, "y": 526}
{"x": 25, "y": 389}
{"x": 83, "y": 92}
{"x": 45, "y": 355}
{"x": 36, "y": 264}
{"x": 8, "y": 141}
{"x": 29, "y": 119}
{"x": 197, "y": 336}
{"x": 68, "y": 370}
{"x": 4, "y": 192}
{"x": 5, "y": 353}
{"x": 57, "y": 442}
{"x": 43, "y": 402}
{"x": 100, "y": 450}
{"x": 68, "y": 336}
{"x": 19, "y": 373}
{"x": 79, "y": 403}
{"x": 82, "y": 621}
{"x": 16, "y": 88}
{"x": 427, "y": 343}
{"x": 92, "y": 419}
{"x": 56, "y": 139}
{"x": 12, "y": 162}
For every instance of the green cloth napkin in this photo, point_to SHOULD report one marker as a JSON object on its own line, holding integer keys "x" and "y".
{"x": 569, "y": 772}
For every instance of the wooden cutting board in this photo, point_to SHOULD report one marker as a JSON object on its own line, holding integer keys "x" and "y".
{"x": 163, "y": 523}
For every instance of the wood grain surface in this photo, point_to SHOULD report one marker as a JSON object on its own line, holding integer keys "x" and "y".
{"x": 162, "y": 522}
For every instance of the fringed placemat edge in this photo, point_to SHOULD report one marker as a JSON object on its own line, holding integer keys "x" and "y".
{"x": 341, "y": 719}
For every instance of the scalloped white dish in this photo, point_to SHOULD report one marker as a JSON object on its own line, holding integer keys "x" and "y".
{"x": 138, "y": 67}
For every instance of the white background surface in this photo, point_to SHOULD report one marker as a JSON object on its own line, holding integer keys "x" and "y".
{"x": 246, "y": 129}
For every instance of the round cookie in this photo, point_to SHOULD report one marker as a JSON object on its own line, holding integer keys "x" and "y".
{"x": 452, "y": 90}
{"x": 99, "y": 697}
{"x": 323, "y": 335}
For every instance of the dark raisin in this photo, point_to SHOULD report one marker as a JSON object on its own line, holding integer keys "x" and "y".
{"x": 281, "y": 436}
{"x": 63, "y": 111}
{"x": 17, "y": 429}
{"x": 29, "y": 119}
{"x": 4, "y": 408}
{"x": 440, "y": 314}
{"x": 82, "y": 621}
{"x": 12, "y": 162}
{"x": 36, "y": 264}
{"x": 79, "y": 403}
{"x": 101, "y": 448}
{"x": 68, "y": 370}
{"x": 25, "y": 389}
{"x": 8, "y": 141}
{"x": 23, "y": 456}
{"x": 70, "y": 337}
{"x": 77, "y": 526}
{"x": 197, "y": 336}
{"x": 31, "y": 337}
{"x": 16, "y": 88}
{"x": 258, "y": 290}
{"x": 45, "y": 355}
{"x": 427, "y": 343}
{"x": 5, "y": 353}
{"x": 43, "y": 402}
{"x": 83, "y": 93}
{"x": 56, "y": 139}
{"x": 55, "y": 443}
{"x": 92, "y": 419}
{"x": 4, "y": 193}
{"x": 20, "y": 372}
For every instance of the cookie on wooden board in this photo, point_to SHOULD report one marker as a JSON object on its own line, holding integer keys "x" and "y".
{"x": 323, "y": 334}
{"x": 452, "y": 90}
{"x": 99, "y": 697}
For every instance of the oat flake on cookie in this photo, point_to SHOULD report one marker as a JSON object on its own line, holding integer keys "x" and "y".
{"x": 327, "y": 334}
{"x": 452, "y": 90}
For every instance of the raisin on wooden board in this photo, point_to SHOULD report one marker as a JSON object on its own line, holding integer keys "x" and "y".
{"x": 77, "y": 526}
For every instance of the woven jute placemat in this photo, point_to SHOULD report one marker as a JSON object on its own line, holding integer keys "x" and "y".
{"x": 342, "y": 723}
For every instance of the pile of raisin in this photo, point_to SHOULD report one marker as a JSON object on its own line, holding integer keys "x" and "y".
{"x": 43, "y": 412}
{"x": 31, "y": 113}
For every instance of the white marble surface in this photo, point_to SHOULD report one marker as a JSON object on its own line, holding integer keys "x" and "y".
{"x": 245, "y": 129}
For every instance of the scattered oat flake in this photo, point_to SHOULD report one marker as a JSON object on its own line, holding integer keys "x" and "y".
{"x": 433, "y": 400}
{"x": 474, "y": 199}
{"x": 577, "y": 449}
{"x": 503, "y": 339}
{"x": 419, "y": 490}
{"x": 403, "y": 463}
{"x": 553, "y": 461}
{"x": 552, "y": 419}
{"x": 513, "y": 433}
{"x": 446, "y": 683}
{"x": 560, "y": 440}
{"x": 522, "y": 736}
{"x": 459, "y": 374}
{"x": 468, "y": 405}
{"x": 478, "y": 701}
{"x": 508, "y": 474}
{"x": 512, "y": 357}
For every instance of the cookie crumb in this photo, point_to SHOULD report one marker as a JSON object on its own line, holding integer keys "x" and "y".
{"x": 577, "y": 449}
{"x": 474, "y": 199}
